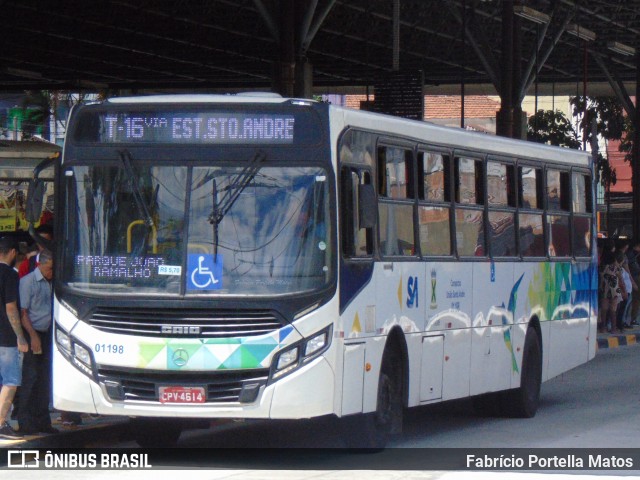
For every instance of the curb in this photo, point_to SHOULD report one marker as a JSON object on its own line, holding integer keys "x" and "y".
{"x": 620, "y": 340}
{"x": 83, "y": 435}
{"x": 94, "y": 433}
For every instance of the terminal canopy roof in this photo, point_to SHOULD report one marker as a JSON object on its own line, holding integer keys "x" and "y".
{"x": 239, "y": 44}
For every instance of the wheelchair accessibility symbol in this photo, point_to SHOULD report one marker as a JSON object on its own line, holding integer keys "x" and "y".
{"x": 205, "y": 272}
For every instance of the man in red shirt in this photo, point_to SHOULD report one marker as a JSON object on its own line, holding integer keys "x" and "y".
{"x": 30, "y": 263}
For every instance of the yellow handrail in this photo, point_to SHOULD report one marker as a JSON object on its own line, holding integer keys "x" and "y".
{"x": 154, "y": 236}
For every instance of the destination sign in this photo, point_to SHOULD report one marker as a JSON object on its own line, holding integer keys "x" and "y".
{"x": 192, "y": 127}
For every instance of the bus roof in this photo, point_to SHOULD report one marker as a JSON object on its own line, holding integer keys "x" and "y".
{"x": 416, "y": 130}
{"x": 459, "y": 138}
{"x": 246, "y": 97}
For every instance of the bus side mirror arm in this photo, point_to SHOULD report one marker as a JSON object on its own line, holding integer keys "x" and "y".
{"x": 35, "y": 199}
{"x": 35, "y": 192}
{"x": 48, "y": 244}
{"x": 367, "y": 203}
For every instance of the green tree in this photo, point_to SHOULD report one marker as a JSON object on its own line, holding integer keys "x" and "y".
{"x": 553, "y": 128}
{"x": 40, "y": 106}
{"x": 626, "y": 142}
{"x": 611, "y": 124}
{"x": 36, "y": 111}
{"x": 607, "y": 112}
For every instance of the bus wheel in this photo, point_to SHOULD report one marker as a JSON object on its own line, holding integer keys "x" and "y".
{"x": 523, "y": 402}
{"x": 155, "y": 432}
{"x": 371, "y": 430}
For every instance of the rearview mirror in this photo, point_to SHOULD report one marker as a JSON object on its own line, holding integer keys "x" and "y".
{"x": 35, "y": 198}
{"x": 367, "y": 202}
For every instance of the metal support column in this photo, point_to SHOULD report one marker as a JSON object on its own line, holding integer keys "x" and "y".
{"x": 504, "y": 121}
{"x": 519, "y": 123}
{"x": 635, "y": 160}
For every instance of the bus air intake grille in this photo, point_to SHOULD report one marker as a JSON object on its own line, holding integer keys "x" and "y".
{"x": 190, "y": 323}
{"x": 220, "y": 386}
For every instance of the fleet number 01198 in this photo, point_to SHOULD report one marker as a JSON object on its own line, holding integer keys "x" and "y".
{"x": 108, "y": 348}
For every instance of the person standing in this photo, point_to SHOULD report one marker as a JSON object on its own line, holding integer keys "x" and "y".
{"x": 29, "y": 264}
{"x": 605, "y": 259}
{"x": 633, "y": 255}
{"x": 612, "y": 287}
{"x": 12, "y": 340}
{"x": 33, "y": 400}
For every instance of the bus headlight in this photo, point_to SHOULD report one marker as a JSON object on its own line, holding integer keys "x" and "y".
{"x": 82, "y": 354}
{"x": 63, "y": 341}
{"x": 287, "y": 358}
{"x": 296, "y": 355}
{"x": 74, "y": 351}
{"x": 315, "y": 344}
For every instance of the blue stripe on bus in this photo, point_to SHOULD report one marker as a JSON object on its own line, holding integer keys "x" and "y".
{"x": 354, "y": 276}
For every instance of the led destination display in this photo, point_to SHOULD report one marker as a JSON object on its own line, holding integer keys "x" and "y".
{"x": 196, "y": 128}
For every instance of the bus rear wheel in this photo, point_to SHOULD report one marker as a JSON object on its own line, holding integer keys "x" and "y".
{"x": 523, "y": 402}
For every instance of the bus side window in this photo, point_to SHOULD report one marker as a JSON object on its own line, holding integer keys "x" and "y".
{"x": 395, "y": 173}
{"x": 469, "y": 215}
{"x": 530, "y": 187}
{"x": 396, "y": 188}
{"x": 558, "y": 207}
{"x": 434, "y": 209}
{"x": 530, "y": 222}
{"x": 501, "y": 203}
{"x": 582, "y": 210}
{"x": 356, "y": 241}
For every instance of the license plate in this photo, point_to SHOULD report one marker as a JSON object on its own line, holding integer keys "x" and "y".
{"x": 181, "y": 394}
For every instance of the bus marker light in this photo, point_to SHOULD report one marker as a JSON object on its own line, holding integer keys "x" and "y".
{"x": 446, "y": 358}
{"x": 249, "y": 393}
{"x": 114, "y": 390}
{"x": 367, "y": 367}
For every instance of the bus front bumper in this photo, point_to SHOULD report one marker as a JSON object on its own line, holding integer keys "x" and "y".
{"x": 305, "y": 393}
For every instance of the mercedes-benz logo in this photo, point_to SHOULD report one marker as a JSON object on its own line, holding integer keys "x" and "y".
{"x": 180, "y": 357}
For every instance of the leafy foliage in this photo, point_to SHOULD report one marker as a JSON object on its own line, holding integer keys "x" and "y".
{"x": 611, "y": 124}
{"x": 552, "y": 127}
{"x": 607, "y": 112}
{"x": 39, "y": 106}
{"x": 626, "y": 143}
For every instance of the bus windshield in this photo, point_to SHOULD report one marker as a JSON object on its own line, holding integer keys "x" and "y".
{"x": 133, "y": 227}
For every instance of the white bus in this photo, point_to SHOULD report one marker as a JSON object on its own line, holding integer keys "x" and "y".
{"x": 269, "y": 258}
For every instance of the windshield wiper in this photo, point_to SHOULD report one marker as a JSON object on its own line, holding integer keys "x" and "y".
{"x": 143, "y": 208}
{"x": 231, "y": 194}
{"x": 235, "y": 188}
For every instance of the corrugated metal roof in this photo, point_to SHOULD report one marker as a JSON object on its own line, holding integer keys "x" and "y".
{"x": 231, "y": 44}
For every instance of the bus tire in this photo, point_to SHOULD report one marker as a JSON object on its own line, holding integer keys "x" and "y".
{"x": 371, "y": 430}
{"x": 155, "y": 432}
{"x": 523, "y": 402}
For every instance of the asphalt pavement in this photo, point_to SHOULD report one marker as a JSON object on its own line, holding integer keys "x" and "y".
{"x": 98, "y": 430}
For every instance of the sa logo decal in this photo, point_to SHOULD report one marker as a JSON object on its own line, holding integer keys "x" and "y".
{"x": 412, "y": 292}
